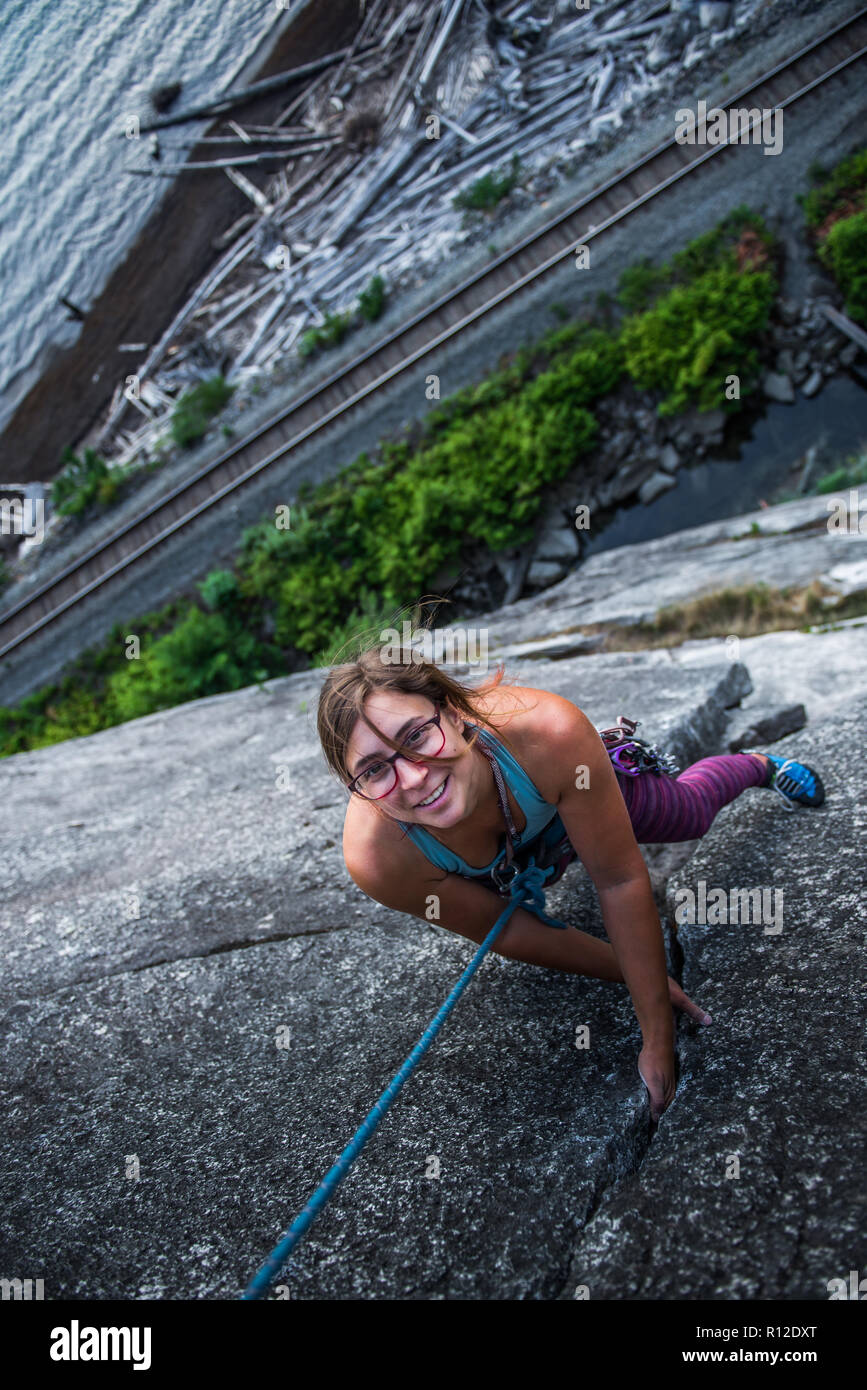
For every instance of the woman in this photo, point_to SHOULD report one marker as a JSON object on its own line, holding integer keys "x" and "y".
{"x": 453, "y": 788}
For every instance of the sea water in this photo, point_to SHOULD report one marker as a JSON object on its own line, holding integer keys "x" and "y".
{"x": 72, "y": 73}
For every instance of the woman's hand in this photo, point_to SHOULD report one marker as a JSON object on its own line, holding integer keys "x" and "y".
{"x": 656, "y": 1063}
{"x": 656, "y": 1069}
{"x": 680, "y": 1001}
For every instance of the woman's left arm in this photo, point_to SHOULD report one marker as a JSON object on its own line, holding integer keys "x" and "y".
{"x": 593, "y": 811}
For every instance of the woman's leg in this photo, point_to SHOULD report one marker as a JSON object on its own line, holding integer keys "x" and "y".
{"x": 666, "y": 809}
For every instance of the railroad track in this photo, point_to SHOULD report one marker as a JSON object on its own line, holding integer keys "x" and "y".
{"x": 828, "y": 58}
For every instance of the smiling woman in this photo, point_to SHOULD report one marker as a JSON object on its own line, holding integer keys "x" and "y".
{"x": 446, "y": 806}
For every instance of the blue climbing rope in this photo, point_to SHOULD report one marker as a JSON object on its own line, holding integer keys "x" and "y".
{"x": 526, "y": 891}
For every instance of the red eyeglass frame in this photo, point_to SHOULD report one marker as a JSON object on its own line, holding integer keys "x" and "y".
{"x": 410, "y": 758}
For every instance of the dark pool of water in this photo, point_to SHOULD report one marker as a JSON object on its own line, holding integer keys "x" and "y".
{"x": 760, "y": 458}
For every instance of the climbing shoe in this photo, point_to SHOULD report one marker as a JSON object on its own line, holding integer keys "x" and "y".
{"x": 794, "y": 781}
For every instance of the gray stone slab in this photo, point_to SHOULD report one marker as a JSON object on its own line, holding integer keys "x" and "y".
{"x": 790, "y": 547}
{"x": 764, "y": 724}
{"x": 152, "y": 1039}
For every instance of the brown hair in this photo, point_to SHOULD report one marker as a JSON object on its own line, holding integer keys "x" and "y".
{"x": 346, "y": 687}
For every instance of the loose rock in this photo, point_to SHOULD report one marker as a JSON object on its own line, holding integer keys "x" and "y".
{"x": 778, "y": 387}
{"x": 656, "y": 484}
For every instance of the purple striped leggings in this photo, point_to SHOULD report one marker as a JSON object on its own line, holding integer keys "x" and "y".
{"x": 664, "y": 809}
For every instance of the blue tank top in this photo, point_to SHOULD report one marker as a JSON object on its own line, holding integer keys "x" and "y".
{"x": 539, "y": 813}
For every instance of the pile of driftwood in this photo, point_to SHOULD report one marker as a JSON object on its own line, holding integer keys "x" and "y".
{"x": 366, "y": 160}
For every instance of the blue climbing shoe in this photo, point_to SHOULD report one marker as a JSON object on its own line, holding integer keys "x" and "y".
{"x": 794, "y": 781}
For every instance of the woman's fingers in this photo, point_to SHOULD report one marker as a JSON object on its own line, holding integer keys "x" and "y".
{"x": 681, "y": 1001}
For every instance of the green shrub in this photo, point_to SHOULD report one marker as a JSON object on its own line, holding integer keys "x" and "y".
{"x": 78, "y": 484}
{"x": 220, "y": 590}
{"x": 846, "y": 183}
{"x": 332, "y": 331}
{"x": 845, "y": 251}
{"x": 644, "y": 282}
{"x": 206, "y": 654}
{"x": 698, "y": 334}
{"x": 372, "y": 299}
{"x": 194, "y": 409}
{"x": 639, "y": 283}
{"x": 490, "y": 189}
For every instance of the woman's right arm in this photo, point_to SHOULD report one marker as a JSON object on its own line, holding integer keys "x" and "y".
{"x": 404, "y": 882}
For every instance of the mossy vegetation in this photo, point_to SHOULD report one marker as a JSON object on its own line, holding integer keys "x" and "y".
{"x": 84, "y": 482}
{"x": 333, "y": 330}
{"x": 694, "y": 322}
{"x": 844, "y": 251}
{"x": 372, "y": 299}
{"x": 837, "y": 192}
{"x": 748, "y": 610}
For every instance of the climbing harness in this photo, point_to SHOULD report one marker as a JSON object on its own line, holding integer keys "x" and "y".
{"x": 633, "y": 756}
{"x": 525, "y": 891}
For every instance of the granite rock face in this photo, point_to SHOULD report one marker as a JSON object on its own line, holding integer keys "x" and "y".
{"x": 199, "y": 1007}
{"x": 748, "y": 1189}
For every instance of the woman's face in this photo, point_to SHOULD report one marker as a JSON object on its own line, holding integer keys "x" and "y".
{"x": 445, "y": 787}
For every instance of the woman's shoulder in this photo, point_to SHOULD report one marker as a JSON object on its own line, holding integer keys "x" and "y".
{"x": 546, "y": 733}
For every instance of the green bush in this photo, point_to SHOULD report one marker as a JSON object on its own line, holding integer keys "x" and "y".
{"x": 644, "y": 282}
{"x": 372, "y": 299}
{"x": 80, "y": 482}
{"x": 220, "y": 591}
{"x": 846, "y": 183}
{"x": 490, "y": 189}
{"x": 194, "y": 409}
{"x": 206, "y": 654}
{"x": 698, "y": 334}
{"x": 639, "y": 283}
{"x": 332, "y": 331}
{"x": 845, "y": 252}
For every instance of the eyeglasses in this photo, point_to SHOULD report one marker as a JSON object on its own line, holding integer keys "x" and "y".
{"x": 426, "y": 740}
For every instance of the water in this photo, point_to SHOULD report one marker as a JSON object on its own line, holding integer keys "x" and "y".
{"x": 71, "y": 73}
{"x": 749, "y": 471}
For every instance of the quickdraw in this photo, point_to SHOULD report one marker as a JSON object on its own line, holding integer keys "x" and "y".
{"x": 633, "y": 756}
